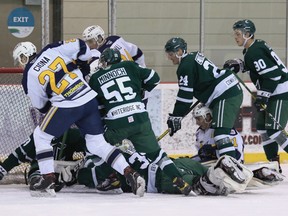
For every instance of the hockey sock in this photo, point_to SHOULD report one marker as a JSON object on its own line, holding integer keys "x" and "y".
{"x": 10, "y": 162}
{"x": 271, "y": 150}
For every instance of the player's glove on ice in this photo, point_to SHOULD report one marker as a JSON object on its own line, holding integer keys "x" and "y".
{"x": 174, "y": 124}
{"x": 262, "y": 100}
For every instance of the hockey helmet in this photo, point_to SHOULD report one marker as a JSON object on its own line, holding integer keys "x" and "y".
{"x": 110, "y": 56}
{"x": 23, "y": 51}
{"x": 93, "y": 32}
{"x": 176, "y": 43}
{"x": 245, "y": 26}
{"x": 202, "y": 111}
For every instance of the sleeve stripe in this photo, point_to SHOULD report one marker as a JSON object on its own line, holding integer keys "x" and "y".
{"x": 268, "y": 70}
{"x": 186, "y": 89}
{"x": 184, "y": 100}
{"x": 276, "y": 78}
{"x": 138, "y": 55}
{"x": 82, "y": 48}
{"x": 150, "y": 76}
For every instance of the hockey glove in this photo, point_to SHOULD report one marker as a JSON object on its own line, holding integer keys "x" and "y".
{"x": 207, "y": 153}
{"x": 261, "y": 100}
{"x": 174, "y": 124}
{"x": 235, "y": 65}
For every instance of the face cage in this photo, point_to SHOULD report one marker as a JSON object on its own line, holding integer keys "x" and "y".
{"x": 204, "y": 121}
{"x": 19, "y": 61}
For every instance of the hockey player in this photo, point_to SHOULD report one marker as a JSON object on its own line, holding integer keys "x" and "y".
{"x": 54, "y": 82}
{"x": 119, "y": 87}
{"x": 224, "y": 177}
{"x": 266, "y": 173}
{"x": 95, "y": 38}
{"x": 218, "y": 89}
{"x": 270, "y": 77}
{"x": 207, "y": 150}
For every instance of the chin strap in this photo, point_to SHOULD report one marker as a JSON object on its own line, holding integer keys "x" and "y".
{"x": 182, "y": 56}
{"x": 246, "y": 39}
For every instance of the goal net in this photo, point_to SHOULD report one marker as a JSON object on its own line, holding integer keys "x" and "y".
{"x": 17, "y": 119}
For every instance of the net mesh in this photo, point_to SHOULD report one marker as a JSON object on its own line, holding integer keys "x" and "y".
{"x": 17, "y": 119}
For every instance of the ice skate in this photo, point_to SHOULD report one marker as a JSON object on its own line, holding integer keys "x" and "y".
{"x": 136, "y": 182}
{"x": 45, "y": 187}
{"x": 183, "y": 186}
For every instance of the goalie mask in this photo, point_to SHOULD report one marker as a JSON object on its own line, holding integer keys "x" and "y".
{"x": 109, "y": 56}
{"x": 203, "y": 116}
{"x": 94, "y": 35}
{"x": 22, "y": 52}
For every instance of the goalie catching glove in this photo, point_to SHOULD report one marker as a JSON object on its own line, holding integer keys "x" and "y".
{"x": 235, "y": 65}
{"x": 174, "y": 124}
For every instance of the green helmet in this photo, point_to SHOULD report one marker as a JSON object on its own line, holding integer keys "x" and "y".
{"x": 110, "y": 56}
{"x": 245, "y": 26}
{"x": 174, "y": 44}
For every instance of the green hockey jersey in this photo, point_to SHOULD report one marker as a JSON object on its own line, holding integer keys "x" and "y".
{"x": 267, "y": 71}
{"x": 198, "y": 77}
{"x": 119, "y": 89}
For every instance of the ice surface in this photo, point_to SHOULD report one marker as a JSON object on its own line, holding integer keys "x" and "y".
{"x": 15, "y": 200}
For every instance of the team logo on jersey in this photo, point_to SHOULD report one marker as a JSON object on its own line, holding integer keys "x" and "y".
{"x": 199, "y": 58}
{"x": 183, "y": 80}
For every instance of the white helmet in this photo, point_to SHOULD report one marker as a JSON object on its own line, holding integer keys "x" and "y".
{"x": 93, "y": 32}
{"x": 23, "y": 51}
{"x": 201, "y": 110}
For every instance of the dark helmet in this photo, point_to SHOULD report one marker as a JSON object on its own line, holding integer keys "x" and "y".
{"x": 174, "y": 44}
{"x": 245, "y": 26}
{"x": 110, "y": 56}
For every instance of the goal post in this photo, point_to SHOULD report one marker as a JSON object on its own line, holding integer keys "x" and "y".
{"x": 16, "y": 117}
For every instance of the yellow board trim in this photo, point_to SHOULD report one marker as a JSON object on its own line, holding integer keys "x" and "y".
{"x": 248, "y": 157}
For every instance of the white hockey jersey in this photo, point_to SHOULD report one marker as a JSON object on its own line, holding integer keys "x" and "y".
{"x": 129, "y": 51}
{"x": 53, "y": 75}
{"x": 205, "y": 137}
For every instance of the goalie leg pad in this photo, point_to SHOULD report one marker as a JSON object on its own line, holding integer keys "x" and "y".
{"x": 268, "y": 175}
{"x": 204, "y": 186}
{"x": 229, "y": 173}
{"x": 265, "y": 173}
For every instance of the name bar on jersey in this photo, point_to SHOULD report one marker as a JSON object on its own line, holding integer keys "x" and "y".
{"x": 125, "y": 110}
{"x": 112, "y": 75}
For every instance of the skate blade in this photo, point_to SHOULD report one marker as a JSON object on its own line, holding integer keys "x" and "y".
{"x": 44, "y": 193}
{"x": 192, "y": 193}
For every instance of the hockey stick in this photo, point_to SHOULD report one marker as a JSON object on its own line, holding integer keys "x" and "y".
{"x": 167, "y": 131}
{"x": 254, "y": 98}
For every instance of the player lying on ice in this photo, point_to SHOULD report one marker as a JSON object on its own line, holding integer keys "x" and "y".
{"x": 264, "y": 173}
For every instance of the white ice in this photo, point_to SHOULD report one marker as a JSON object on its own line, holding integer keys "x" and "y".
{"x": 15, "y": 200}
